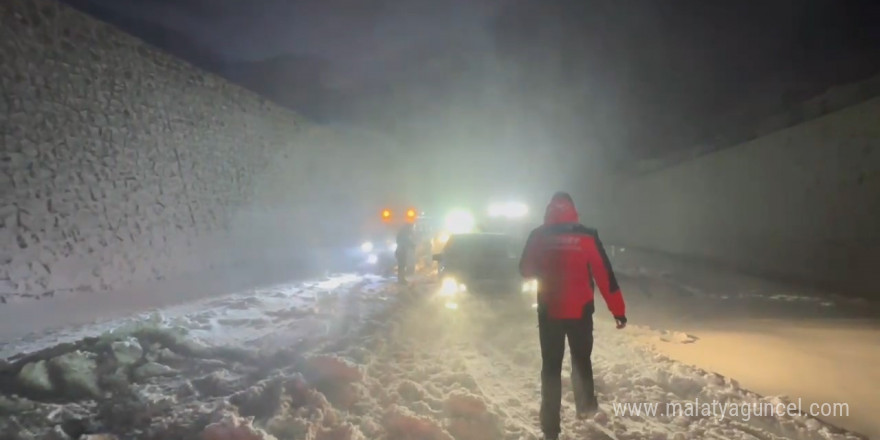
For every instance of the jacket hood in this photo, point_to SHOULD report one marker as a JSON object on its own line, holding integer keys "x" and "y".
{"x": 560, "y": 210}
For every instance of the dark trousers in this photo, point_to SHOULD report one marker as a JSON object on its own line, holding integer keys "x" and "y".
{"x": 402, "y": 264}
{"x": 553, "y": 333}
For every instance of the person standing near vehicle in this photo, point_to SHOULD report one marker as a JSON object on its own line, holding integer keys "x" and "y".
{"x": 566, "y": 257}
{"x": 404, "y": 251}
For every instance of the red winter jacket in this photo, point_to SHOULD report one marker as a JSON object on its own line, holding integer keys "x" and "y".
{"x": 565, "y": 256}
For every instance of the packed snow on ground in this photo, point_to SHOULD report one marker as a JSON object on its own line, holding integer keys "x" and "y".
{"x": 267, "y": 310}
{"x": 355, "y": 359}
{"x": 774, "y": 338}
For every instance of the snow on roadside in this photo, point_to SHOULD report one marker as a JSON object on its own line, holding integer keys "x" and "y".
{"x": 171, "y": 373}
{"x": 228, "y": 319}
{"x": 367, "y": 362}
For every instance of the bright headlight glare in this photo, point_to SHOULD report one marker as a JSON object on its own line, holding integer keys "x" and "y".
{"x": 367, "y": 246}
{"x": 372, "y": 259}
{"x": 449, "y": 286}
{"x": 530, "y": 286}
{"x": 460, "y": 222}
{"x": 517, "y": 210}
{"x": 496, "y": 210}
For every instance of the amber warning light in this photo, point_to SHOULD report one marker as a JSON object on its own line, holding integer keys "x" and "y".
{"x": 411, "y": 214}
{"x": 386, "y": 214}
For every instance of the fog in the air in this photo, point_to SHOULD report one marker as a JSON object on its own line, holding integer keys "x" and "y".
{"x": 199, "y": 238}
{"x": 440, "y": 105}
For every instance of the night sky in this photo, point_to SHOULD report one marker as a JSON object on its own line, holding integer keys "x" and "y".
{"x": 636, "y": 78}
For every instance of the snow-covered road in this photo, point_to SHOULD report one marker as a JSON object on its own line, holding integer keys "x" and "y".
{"x": 774, "y": 338}
{"x": 355, "y": 358}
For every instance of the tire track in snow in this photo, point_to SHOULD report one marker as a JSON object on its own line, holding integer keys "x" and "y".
{"x": 522, "y": 365}
{"x": 508, "y": 363}
{"x": 493, "y": 376}
{"x": 417, "y": 355}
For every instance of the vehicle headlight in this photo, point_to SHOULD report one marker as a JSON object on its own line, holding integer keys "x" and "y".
{"x": 372, "y": 259}
{"x": 443, "y": 238}
{"x": 450, "y": 286}
{"x": 367, "y": 246}
{"x": 530, "y": 286}
{"x": 392, "y": 246}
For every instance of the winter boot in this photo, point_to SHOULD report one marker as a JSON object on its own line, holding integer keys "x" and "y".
{"x": 588, "y": 409}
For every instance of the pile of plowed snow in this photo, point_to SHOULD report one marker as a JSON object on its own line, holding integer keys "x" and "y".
{"x": 408, "y": 370}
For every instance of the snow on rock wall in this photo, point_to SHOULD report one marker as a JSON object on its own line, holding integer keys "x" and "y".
{"x": 801, "y": 203}
{"x": 120, "y": 164}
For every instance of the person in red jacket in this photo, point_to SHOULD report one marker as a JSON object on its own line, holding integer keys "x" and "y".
{"x": 566, "y": 257}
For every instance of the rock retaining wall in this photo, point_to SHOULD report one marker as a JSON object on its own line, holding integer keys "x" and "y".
{"x": 801, "y": 204}
{"x": 120, "y": 164}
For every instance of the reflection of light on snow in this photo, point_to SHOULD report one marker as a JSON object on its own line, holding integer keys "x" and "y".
{"x": 451, "y": 305}
{"x": 337, "y": 281}
{"x": 288, "y": 290}
{"x": 203, "y": 318}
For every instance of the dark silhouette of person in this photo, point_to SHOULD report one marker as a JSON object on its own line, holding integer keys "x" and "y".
{"x": 405, "y": 251}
